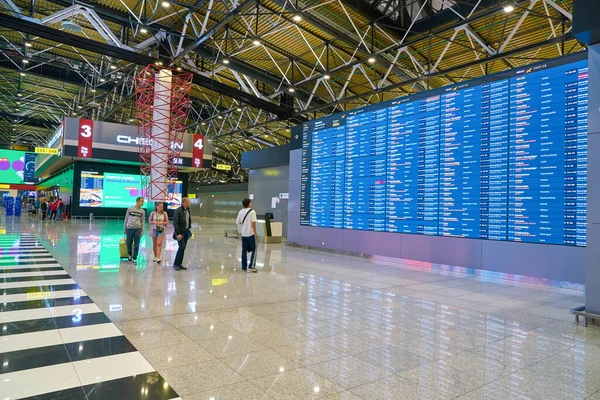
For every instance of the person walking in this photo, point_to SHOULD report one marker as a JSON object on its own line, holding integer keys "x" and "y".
{"x": 182, "y": 222}
{"x": 247, "y": 219}
{"x": 158, "y": 224}
{"x": 44, "y": 208}
{"x": 134, "y": 228}
{"x": 59, "y": 209}
{"x": 53, "y": 207}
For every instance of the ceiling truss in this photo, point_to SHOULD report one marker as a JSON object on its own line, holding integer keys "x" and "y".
{"x": 260, "y": 66}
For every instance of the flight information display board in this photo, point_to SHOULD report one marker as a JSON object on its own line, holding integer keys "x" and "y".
{"x": 502, "y": 158}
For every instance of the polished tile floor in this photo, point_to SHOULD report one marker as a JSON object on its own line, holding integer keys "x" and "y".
{"x": 308, "y": 325}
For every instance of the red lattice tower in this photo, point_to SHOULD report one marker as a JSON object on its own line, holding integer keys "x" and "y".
{"x": 162, "y": 103}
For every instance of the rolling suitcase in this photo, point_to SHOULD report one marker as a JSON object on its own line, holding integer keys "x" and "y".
{"x": 123, "y": 249}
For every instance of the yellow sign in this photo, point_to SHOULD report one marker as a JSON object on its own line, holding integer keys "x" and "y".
{"x": 45, "y": 150}
{"x": 2, "y": 231}
{"x": 38, "y": 295}
{"x": 192, "y": 196}
{"x": 224, "y": 167}
{"x": 219, "y": 282}
{"x": 3, "y": 186}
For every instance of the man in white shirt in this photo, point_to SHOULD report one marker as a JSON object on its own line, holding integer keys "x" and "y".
{"x": 247, "y": 219}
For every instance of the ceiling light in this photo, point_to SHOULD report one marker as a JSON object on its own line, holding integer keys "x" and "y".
{"x": 74, "y": 113}
{"x": 71, "y": 26}
{"x": 102, "y": 80}
{"x": 326, "y": 76}
{"x": 239, "y": 109}
{"x": 16, "y": 109}
{"x": 80, "y": 106}
{"x": 291, "y": 90}
{"x": 204, "y": 123}
{"x": 19, "y": 94}
{"x": 113, "y": 67}
{"x": 178, "y": 68}
{"x": 297, "y": 18}
{"x": 508, "y": 8}
{"x": 28, "y": 44}
{"x": 226, "y": 61}
{"x": 256, "y": 42}
{"x": 371, "y": 60}
{"x": 266, "y": 135}
{"x": 166, "y": 4}
{"x": 220, "y": 117}
{"x": 287, "y": 130}
{"x": 93, "y": 90}
{"x": 143, "y": 30}
{"x": 18, "y": 102}
{"x": 130, "y": 119}
{"x": 25, "y": 61}
{"x": 22, "y": 73}
{"x": 159, "y": 63}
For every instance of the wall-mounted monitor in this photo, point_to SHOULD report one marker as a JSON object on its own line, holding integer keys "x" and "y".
{"x": 501, "y": 158}
{"x": 117, "y": 190}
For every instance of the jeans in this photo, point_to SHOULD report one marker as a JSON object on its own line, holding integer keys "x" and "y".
{"x": 133, "y": 235}
{"x": 182, "y": 244}
{"x": 59, "y": 217}
{"x": 248, "y": 243}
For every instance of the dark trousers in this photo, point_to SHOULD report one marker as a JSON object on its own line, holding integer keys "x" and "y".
{"x": 248, "y": 243}
{"x": 59, "y": 211}
{"x": 182, "y": 244}
{"x": 133, "y": 237}
{"x": 43, "y": 214}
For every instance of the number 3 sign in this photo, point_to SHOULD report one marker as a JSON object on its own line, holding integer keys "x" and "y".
{"x": 198, "y": 151}
{"x": 85, "y": 138}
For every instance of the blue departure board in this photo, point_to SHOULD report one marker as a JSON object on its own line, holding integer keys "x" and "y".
{"x": 500, "y": 158}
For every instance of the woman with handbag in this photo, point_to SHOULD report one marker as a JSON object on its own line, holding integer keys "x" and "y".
{"x": 158, "y": 224}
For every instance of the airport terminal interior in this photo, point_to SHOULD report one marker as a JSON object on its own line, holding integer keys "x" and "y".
{"x": 299, "y": 199}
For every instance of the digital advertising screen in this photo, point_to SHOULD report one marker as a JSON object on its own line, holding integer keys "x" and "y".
{"x": 500, "y": 158}
{"x": 116, "y": 190}
{"x": 16, "y": 167}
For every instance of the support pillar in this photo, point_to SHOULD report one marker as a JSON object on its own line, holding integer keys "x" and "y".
{"x": 592, "y": 267}
{"x": 161, "y": 117}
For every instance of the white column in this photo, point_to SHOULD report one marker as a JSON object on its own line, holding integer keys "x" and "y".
{"x": 160, "y": 134}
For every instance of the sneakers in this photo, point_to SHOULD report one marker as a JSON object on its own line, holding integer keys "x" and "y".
{"x": 134, "y": 262}
{"x": 129, "y": 259}
{"x": 253, "y": 270}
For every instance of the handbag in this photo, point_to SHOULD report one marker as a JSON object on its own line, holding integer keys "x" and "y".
{"x": 159, "y": 228}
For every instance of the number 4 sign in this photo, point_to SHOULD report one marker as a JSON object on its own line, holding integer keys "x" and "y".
{"x": 198, "y": 151}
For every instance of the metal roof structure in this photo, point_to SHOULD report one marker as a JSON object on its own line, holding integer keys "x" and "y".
{"x": 260, "y": 66}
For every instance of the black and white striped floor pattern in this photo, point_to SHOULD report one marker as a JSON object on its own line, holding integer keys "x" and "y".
{"x": 55, "y": 342}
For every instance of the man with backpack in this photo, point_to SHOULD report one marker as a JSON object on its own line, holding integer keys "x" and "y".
{"x": 247, "y": 219}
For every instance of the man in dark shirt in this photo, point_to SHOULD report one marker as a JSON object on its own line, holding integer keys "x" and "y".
{"x": 182, "y": 222}
{"x": 44, "y": 207}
